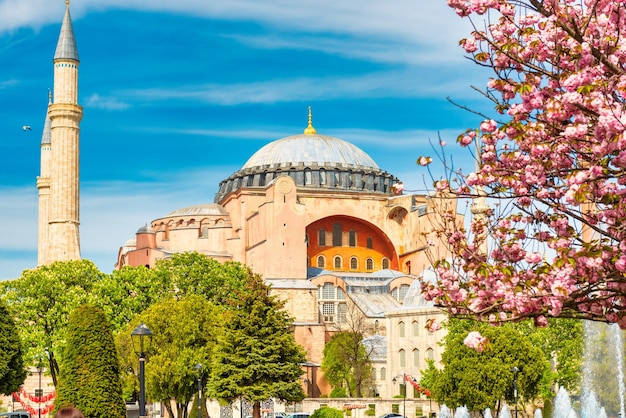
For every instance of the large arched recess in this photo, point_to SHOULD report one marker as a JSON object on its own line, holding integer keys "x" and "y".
{"x": 381, "y": 246}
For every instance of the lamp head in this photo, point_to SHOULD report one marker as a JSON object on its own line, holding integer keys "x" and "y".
{"x": 143, "y": 336}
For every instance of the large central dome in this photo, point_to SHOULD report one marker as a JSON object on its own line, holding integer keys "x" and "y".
{"x": 314, "y": 162}
{"x": 308, "y": 149}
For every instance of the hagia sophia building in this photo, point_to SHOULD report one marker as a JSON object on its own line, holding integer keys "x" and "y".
{"x": 332, "y": 233}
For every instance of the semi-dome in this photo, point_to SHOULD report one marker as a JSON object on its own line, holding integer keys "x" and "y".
{"x": 312, "y": 161}
{"x": 310, "y": 149}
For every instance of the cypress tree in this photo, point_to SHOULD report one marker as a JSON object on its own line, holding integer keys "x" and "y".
{"x": 12, "y": 371}
{"x": 89, "y": 376}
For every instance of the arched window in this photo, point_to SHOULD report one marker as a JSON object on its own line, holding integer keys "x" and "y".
{"x": 402, "y": 355}
{"x": 416, "y": 328}
{"x": 327, "y": 291}
{"x": 321, "y": 237}
{"x": 383, "y": 374}
{"x": 385, "y": 263}
{"x": 401, "y": 329}
{"x": 337, "y": 262}
{"x": 430, "y": 354}
{"x": 352, "y": 238}
{"x": 354, "y": 263}
{"x": 369, "y": 243}
{"x": 321, "y": 262}
{"x": 337, "y": 235}
{"x": 369, "y": 264}
{"x": 416, "y": 358}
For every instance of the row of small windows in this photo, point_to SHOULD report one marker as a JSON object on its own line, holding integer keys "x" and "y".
{"x": 64, "y": 64}
{"x": 354, "y": 263}
{"x": 337, "y": 237}
{"x": 430, "y": 355}
{"x": 354, "y": 180}
{"x": 329, "y": 292}
{"x": 415, "y": 328}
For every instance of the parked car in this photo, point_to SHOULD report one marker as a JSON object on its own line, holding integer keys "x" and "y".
{"x": 391, "y": 415}
{"x": 299, "y": 415}
{"x": 274, "y": 415}
{"x": 15, "y": 414}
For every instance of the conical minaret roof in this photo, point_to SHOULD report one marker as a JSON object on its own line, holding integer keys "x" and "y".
{"x": 66, "y": 47}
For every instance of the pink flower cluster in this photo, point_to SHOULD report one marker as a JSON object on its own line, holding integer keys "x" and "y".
{"x": 555, "y": 163}
{"x": 475, "y": 341}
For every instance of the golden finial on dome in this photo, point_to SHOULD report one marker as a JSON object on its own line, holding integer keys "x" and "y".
{"x": 67, "y": 3}
{"x": 310, "y": 130}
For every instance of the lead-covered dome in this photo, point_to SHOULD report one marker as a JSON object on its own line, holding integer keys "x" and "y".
{"x": 310, "y": 149}
{"x": 313, "y": 161}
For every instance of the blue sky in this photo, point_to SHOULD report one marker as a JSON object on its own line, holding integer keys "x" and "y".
{"x": 177, "y": 96}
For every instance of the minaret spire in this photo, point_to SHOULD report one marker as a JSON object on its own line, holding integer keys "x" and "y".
{"x": 61, "y": 242}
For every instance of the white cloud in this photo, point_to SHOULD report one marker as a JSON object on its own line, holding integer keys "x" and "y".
{"x": 391, "y": 84}
{"x": 378, "y": 30}
{"x": 106, "y": 103}
{"x": 8, "y": 83}
{"x": 28, "y": 13}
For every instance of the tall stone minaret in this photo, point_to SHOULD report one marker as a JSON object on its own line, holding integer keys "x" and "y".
{"x": 43, "y": 186}
{"x": 62, "y": 240}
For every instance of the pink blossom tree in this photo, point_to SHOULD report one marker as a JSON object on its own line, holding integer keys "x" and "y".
{"x": 551, "y": 167}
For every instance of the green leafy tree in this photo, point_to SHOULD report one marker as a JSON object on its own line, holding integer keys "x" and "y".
{"x": 257, "y": 356}
{"x": 346, "y": 363}
{"x": 194, "y": 273}
{"x": 12, "y": 370}
{"x": 562, "y": 343}
{"x": 183, "y": 335}
{"x": 484, "y": 379}
{"x": 327, "y": 412}
{"x": 127, "y": 292}
{"x": 42, "y": 300}
{"x": 90, "y": 374}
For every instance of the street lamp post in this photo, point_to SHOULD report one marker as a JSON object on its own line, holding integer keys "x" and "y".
{"x": 403, "y": 376}
{"x": 40, "y": 392}
{"x": 515, "y": 371}
{"x": 143, "y": 336}
{"x": 198, "y": 368}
